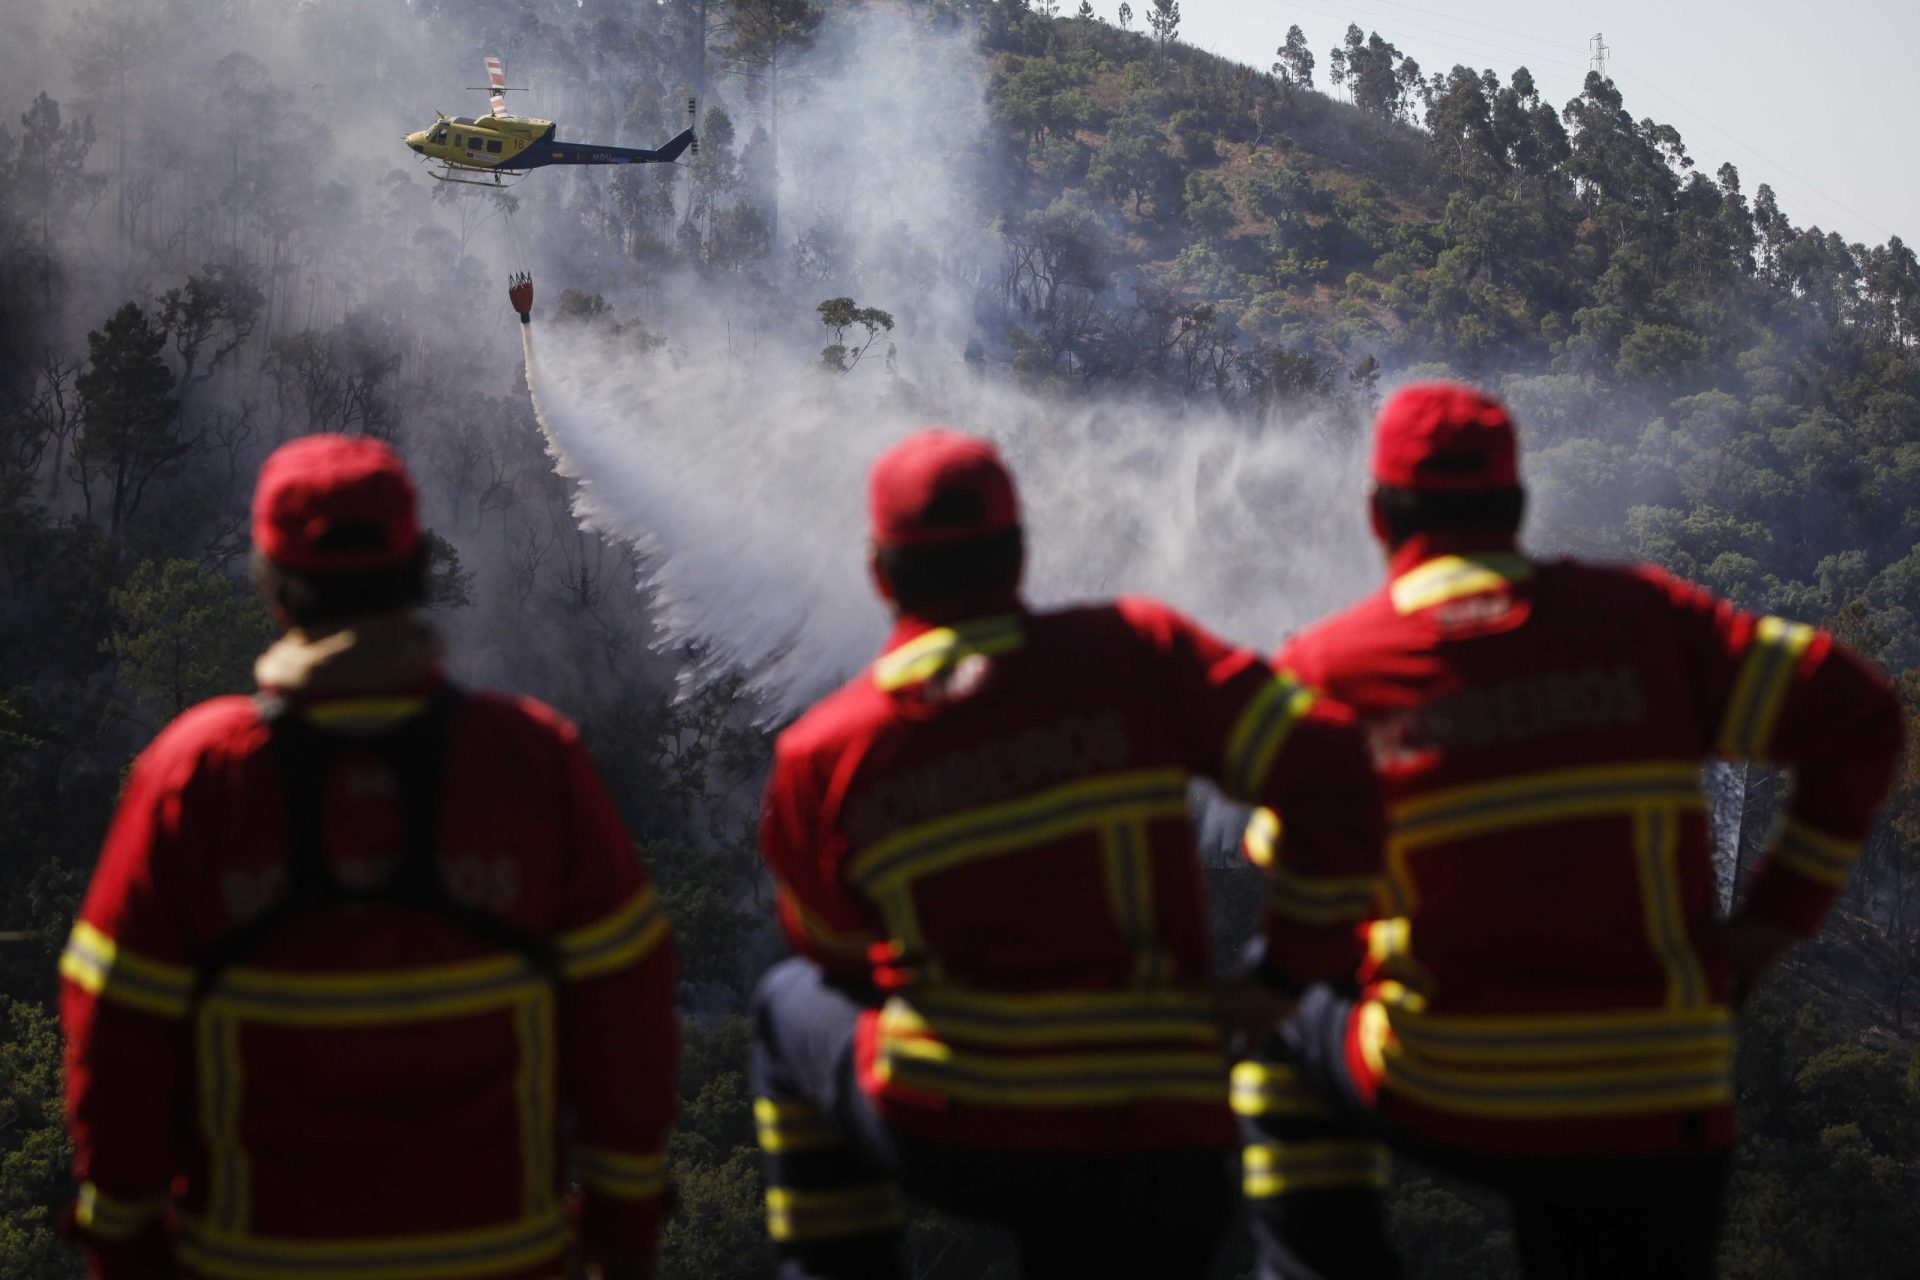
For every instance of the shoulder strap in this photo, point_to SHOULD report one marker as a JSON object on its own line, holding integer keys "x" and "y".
{"x": 416, "y": 753}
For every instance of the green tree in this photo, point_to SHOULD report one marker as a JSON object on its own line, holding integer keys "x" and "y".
{"x": 183, "y": 633}
{"x": 449, "y": 585}
{"x": 760, "y": 36}
{"x": 50, "y": 177}
{"x": 34, "y": 1152}
{"x": 127, "y": 415}
{"x": 842, "y": 314}
{"x": 213, "y": 314}
{"x": 1163, "y": 17}
{"x": 1209, "y": 206}
{"x": 1135, "y": 162}
{"x": 1295, "y": 61}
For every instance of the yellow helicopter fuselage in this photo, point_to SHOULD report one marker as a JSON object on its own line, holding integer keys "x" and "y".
{"x": 495, "y": 142}
{"x": 514, "y": 144}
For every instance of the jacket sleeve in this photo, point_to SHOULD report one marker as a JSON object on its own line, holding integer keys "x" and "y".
{"x": 1780, "y": 692}
{"x": 822, "y": 918}
{"x": 1270, "y": 740}
{"x": 125, "y": 992}
{"x": 619, "y": 1033}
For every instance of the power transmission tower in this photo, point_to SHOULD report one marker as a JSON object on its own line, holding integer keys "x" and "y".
{"x": 1598, "y": 48}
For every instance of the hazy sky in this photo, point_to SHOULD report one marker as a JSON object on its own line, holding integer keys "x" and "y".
{"x": 1820, "y": 100}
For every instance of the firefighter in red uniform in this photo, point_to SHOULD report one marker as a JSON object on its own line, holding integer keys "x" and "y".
{"x": 985, "y": 861}
{"x": 1547, "y": 1003}
{"x": 368, "y": 973}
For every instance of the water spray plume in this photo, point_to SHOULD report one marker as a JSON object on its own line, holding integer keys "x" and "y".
{"x": 736, "y": 463}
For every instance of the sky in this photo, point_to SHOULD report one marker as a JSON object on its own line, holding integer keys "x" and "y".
{"x": 1820, "y": 100}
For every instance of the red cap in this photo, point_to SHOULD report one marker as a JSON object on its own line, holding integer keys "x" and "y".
{"x": 334, "y": 504}
{"x": 1447, "y": 438}
{"x": 939, "y": 486}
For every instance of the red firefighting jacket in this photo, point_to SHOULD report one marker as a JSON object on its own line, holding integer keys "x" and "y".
{"x": 373, "y": 1092}
{"x": 991, "y": 825}
{"x": 1544, "y": 976}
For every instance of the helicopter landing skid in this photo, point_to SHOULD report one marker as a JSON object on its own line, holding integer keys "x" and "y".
{"x": 496, "y": 184}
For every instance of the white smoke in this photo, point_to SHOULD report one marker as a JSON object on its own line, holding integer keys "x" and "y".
{"x": 742, "y": 476}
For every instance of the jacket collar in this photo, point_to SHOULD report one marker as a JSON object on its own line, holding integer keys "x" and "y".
{"x": 1422, "y": 547}
{"x": 953, "y": 615}
{"x": 1432, "y": 569}
{"x": 928, "y": 643}
{"x": 381, "y": 654}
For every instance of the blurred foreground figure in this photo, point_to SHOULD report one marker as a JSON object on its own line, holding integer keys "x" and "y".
{"x": 986, "y": 862}
{"x": 368, "y": 971}
{"x": 1548, "y": 1007}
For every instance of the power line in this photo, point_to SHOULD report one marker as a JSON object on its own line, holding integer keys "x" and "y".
{"x": 1488, "y": 26}
{"x": 1532, "y": 58}
{"x": 1755, "y": 152}
{"x": 1600, "y": 59}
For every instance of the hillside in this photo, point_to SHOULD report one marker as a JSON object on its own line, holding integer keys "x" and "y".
{"x": 1146, "y": 268}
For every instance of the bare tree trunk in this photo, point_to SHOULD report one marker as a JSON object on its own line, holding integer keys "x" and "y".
{"x": 773, "y": 138}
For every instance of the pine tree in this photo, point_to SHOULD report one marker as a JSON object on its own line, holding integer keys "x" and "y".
{"x": 1164, "y": 18}
{"x": 50, "y": 175}
{"x": 127, "y": 414}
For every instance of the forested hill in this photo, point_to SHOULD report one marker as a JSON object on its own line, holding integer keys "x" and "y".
{"x": 1098, "y": 240}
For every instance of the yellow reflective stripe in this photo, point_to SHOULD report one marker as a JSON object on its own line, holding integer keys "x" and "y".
{"x": 1557, "y": 795}
{"x": 101, "y": 967}
{"x": 1140, "y": 795}
{"x": 1056, "y": 1080}
{"x": 1450, "y": 577}
{"x": 1766, "y": 673}
{"x": 111, "y": 1218}
{"x": 1051, "y": 1019}
{"x": 1656, "y": 839}
{"x": 1260, "y": 733}
{"x": 334, "y": 711}
{"x": 1372, "y": 1032}
{"x": 905, "y": 937}
{"x": 621, "y": 939}
{"x": 373, "y": 997}
{"x": 1320, "y": 900}
{"x": 1521, "y": 1039}
{"x": 440, "y": 1256}
{"x": 619, "y": 1174}
{"x": 1389, "y": 940}
{"x": 793, "y": 1126}
{"x": 852, "y": 944}
{"x": 536, "y": 1089}
{"x": 800, "y": 1216}
{"x": 1670, "y": 1084}
{"x": 229, "y": 1173}
{"x": 925, "y": 654}
{"x": 355, "y": 998}
{"x": 1815, "y": 854}
{"x": 1261, "y": 841}
{"x": 1129, "y": 876}
{"x": 1277, "y": 1168}
{"x": 1273, "y": 1089}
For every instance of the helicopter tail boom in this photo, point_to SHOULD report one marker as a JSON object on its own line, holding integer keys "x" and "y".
{"x": 546, "y": 153}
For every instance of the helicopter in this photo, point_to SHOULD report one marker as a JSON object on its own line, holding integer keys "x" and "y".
{"x": 500, "y": 143}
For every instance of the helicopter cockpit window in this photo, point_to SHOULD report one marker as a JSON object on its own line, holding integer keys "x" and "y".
{"x": 440, "y": 134}
{"x": 493, "y": 145}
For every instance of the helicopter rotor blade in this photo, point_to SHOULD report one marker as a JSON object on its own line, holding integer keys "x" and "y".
{"x": 497, "y": 81}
